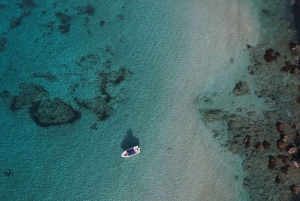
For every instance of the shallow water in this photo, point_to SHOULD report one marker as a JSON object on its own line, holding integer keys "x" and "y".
{"x": 175, "y": 53}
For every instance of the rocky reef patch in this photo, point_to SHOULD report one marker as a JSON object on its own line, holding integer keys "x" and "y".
{"x": 47, "y": 113}
{"x": 29, "y": 94}
{"x": 98, "y": 106}
{"x": 269, "y": 139}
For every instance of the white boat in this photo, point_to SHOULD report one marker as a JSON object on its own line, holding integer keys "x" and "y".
{"x": 131, "y": 152}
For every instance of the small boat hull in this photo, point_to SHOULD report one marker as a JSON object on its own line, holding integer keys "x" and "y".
{"x": 131, "y": 152}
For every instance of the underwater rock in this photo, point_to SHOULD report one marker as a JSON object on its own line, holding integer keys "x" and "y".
{"x": 27, "y": 4}
{"x": 268, "y": 55}
{"x": 266, "y": 145}
{"x": 277, "y": 180}
{"x": 296, "y": 162}
{"x": 102, "y": 22}
{"x": 248, "y": 47}
{"x": 247, "y": 142}
{"x": 114, "y": 78}
{"x": 212, "y": 115}
{"x": 271, "y": 116}
{"x": 284, "y": 159}
{"x": 64, "y": 18}
{"x": 294, "y": 189}
{"x": 272, "y": 163}
{"x": 246, "y": 183}
{"x": 292, "y": 150}
{"x": 8, "y": 173}
{"x": 64, "y": 28}
{"x": 294, "y": 70}
{"x": 29, "y": 94}
{"x": 5, "y": 94}
{"x": 98, "y": 106}
{"x": 281, "y": 145}
{"x": 258, "y": 145}
{"x": 47, "y": 113}
{"x": 280, "y": 126}
{"x": 284, "y": 169}
{"x": 285, "y": 69}
{"x": 89, "y": 60}
{"x": 285, "y": 138}
{"x": 88, "y": 9}
{"x": 241, "y": 88}
{"x": 3, "y": 42}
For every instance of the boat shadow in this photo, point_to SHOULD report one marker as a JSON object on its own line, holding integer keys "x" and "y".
{"x": 129, "y": 140}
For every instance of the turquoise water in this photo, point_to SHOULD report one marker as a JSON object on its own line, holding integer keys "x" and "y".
{"x": 172, "y": 52}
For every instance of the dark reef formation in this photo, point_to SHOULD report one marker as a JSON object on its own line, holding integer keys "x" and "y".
{"x": 296, "y": 13}
{"x": 88, "y": 10}
{"x": 29, "y": 94}
{"x": 65, "y": 22}
{"x": 98, "y": 106}
{"x": 35, "y": 99}
{"x": 47, "y": 113}
{"x": 3, "y": 42}
{"x": 15, "y": 22}
{"x": 27, "y": 4}
{"x": 42, "y": 110}
{"x": 241, "y": 88}
{"x": 269, "y": 142}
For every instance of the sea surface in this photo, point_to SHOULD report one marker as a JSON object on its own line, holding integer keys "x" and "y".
{"x": 174, "y": 53}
